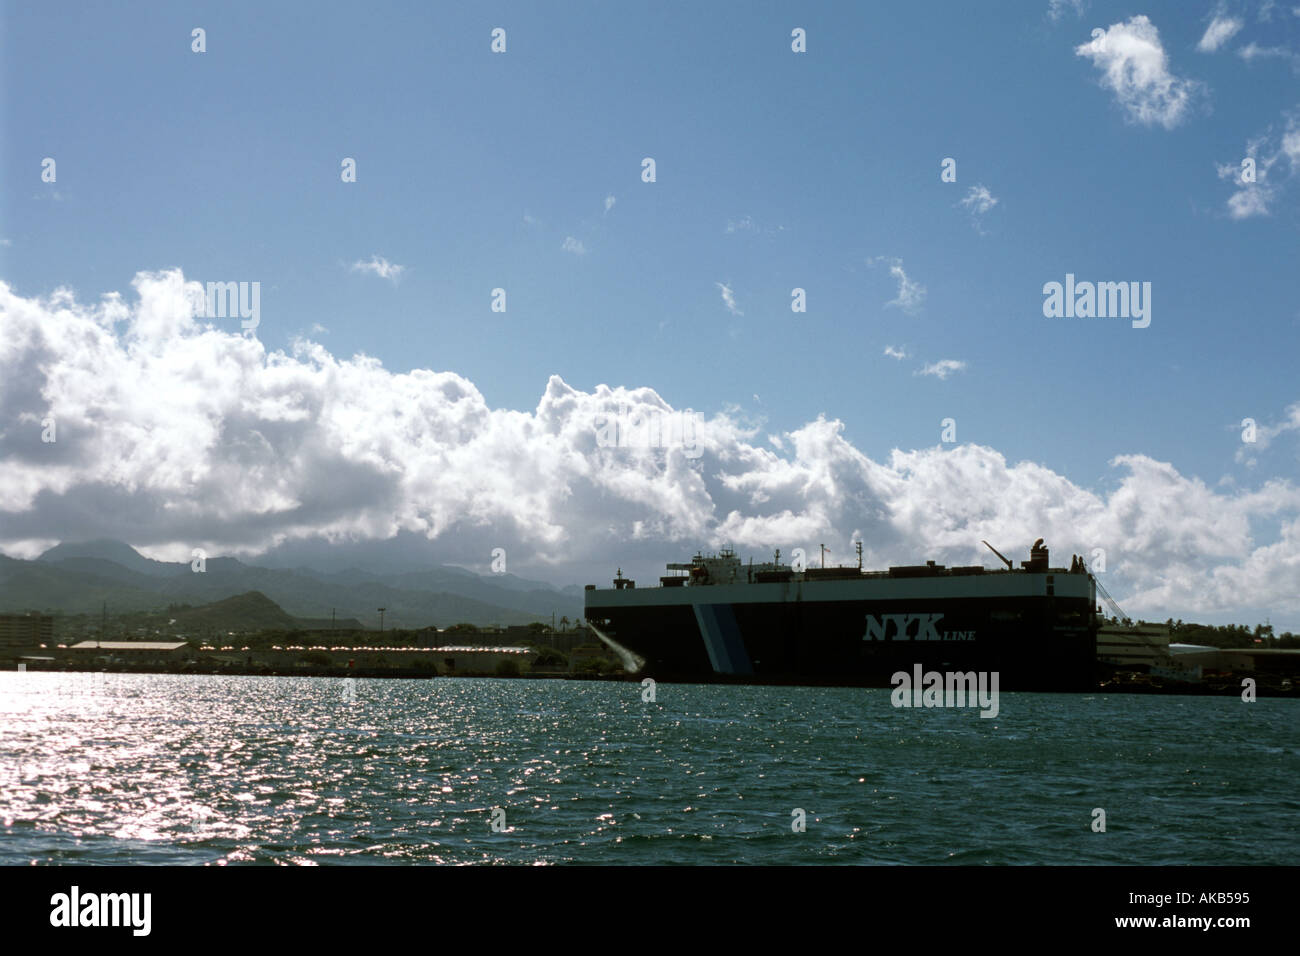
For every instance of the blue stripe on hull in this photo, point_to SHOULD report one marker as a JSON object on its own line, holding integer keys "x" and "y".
{"x": 722, "y": 639}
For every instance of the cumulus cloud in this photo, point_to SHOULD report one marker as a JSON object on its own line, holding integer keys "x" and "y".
{"x": 175, "y": 432}
{"x": 895, "y": 353}
{"x": 942, "y": 368}
{"x": 574, "y": 245}
{"x": 378, "y": 265}
{"x": 728, "y": 298}
{"x": 910, "y": 292}
{"x": 1220, "y": 31}
{"x": 609, "y": 203}
{"x": 1135, "y": 68}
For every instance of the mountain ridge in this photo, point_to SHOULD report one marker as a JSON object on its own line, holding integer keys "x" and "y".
{"x": 79, "y": 577}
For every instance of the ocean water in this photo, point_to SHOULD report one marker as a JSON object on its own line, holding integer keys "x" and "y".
{"x": 104, "y": 768}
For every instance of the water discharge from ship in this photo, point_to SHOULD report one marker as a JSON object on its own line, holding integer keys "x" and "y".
{"x": 632, "y": 663}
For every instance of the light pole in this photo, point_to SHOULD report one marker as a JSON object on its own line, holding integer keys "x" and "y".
{"x": 381, "y": 619}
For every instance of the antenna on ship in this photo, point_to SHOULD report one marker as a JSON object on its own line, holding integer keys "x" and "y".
{"x": 823, "y": 547}
{"x": 858, "y": 546}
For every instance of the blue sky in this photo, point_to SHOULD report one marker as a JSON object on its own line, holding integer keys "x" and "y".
{"x": 775, "y": 170}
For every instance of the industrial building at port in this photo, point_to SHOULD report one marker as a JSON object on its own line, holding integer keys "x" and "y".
{"x": 1147, "y": 649}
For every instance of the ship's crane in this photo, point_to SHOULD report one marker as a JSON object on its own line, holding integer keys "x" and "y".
{"x": 1005, "y": 560}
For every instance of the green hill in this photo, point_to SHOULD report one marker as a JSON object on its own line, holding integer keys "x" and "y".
{"x": 253, "y": 611}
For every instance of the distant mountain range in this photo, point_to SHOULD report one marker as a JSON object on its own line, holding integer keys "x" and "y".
{"x": 79, "y": 578}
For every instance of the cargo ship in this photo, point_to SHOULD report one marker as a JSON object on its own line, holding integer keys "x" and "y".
{"x": 718, "y": 619}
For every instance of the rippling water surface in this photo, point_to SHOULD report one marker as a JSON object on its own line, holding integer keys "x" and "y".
{"x": 104, "y": 768}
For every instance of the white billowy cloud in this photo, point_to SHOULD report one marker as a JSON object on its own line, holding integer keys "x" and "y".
{"x": 728, "y": 298}
{"x": 609, "y": 203}
{"x": 1135, "y": 68}
{"x": 942, "y": 368}
{"x": 378, "y": 265}
{"x": 1220, "y": 31}
{"x": 175, "y": 432}
{"x": 895, "y": 353}
{"x": 574, "y": 245}
{"x": 910, "y": 292}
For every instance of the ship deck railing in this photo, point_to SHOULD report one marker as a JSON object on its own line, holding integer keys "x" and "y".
{"x": 922, "y": 572}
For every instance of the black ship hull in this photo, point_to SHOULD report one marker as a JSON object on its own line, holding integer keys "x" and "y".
{"x": 1033, "y": 642}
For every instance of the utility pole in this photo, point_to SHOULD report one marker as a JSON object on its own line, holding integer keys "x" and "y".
{"x": 381, "y": 619}
{"x": 333, "y": 623}
{"x": 823, "y": 555}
